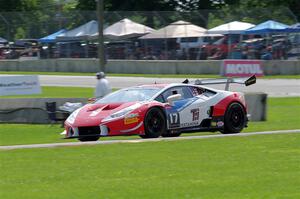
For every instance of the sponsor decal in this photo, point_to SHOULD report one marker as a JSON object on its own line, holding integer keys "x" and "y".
{"x": 213, "y": 123}
{"x": 131, "y": 118}
{"x": 217, "y": 124}
{"x": 188, "y": 124}
{"x": 241, "y": 68}
{"x": 220, "y": 124}
{"x": 195, "y": 113}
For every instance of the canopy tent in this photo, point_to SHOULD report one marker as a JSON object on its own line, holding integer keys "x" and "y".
{"x": 3, "y": 41}
{"x": 125, "y": 29}
{"x": 293, "y": 28}
{"x": 267, "y": 27}
{"x": 177, "y": 30}
{"x": 52, "y": 38}
{"x": 83, "y": 32}
{"x": 234, "y": 27}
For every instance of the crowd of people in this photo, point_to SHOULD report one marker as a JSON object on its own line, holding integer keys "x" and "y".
{"x": 255, "y": 48}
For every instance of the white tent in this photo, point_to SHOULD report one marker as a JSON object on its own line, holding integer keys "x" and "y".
{"x": 176, "y": 30}
{"x": 83, "y": 32}
{"x": 235, "y": 27}
{"x": 125, "y": 29}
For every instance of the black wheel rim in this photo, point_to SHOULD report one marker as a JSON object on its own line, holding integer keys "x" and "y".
{"x": 237, "y": 117}
{"x": 155, "y": 122}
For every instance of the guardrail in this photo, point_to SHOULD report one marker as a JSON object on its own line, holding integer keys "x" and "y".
{"x": 272, "y": 67}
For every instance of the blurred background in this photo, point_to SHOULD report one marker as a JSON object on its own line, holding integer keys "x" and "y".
{"x": 160, "y": 30}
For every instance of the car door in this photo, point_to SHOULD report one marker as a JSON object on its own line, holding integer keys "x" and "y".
{"x": 185, "y": 111}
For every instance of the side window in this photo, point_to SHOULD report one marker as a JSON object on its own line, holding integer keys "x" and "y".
{"x": 184, "y": 91}
{"x": 196, "y": 91}
{"x": 167, "y": 93}
{"x": 160, "y": 99}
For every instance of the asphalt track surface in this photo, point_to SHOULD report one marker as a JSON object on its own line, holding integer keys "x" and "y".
{"x": 273, "y": 87}
{"x": 32, "y": 146}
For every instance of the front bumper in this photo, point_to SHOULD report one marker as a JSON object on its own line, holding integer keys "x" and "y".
{"x": 77, "y": 132}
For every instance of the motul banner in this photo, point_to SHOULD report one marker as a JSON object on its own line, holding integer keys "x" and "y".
{"x": 19, "y": 85}
{"x": 241, "y": 68}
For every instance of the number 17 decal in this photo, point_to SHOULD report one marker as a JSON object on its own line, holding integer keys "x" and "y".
{"x": 174, "y": 120}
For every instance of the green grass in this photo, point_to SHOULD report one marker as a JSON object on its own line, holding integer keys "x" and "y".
{"x": 11, "y": 134}
{"x": 141, "y": 75}
{"x": 281, "y": 77}
{"x": 60, "y": 92}
{"x": 283, "y": 113}
{"x": 262, "y": 166}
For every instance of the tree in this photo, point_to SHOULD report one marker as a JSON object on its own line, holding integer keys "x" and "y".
{"x": 146, "y": 10}
{"x": 19, "y": 5}
{"x": 86, "y": 5}
{"x": 27, "y": 18}
{"x": 129, "y": 5}
{"x": 293, "y": 5}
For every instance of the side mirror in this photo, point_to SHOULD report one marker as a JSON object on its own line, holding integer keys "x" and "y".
{"x": 172, "y": 98}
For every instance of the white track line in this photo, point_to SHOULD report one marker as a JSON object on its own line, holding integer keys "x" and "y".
{"x": 30, "y": 146}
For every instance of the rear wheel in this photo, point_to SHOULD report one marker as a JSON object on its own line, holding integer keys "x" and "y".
{"x": 154, "y": 123}
{"x": 89, "y": 138}
{"x": 235, "y": 119}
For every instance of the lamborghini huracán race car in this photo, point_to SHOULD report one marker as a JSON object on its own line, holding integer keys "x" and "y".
{"x": 164, "y": 110}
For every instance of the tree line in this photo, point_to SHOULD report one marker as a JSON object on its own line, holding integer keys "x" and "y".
{"x": 34, "y": 18}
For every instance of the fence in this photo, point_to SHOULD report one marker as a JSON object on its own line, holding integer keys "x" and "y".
{"x": 35, "y": 25}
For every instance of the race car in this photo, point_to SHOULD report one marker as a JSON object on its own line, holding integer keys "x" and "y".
{"x": 166, "y": 110}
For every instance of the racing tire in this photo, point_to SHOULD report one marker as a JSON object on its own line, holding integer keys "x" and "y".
{"x": 154, "y": 123}
{"x": 235, "y": 119}
{"x": 89, "y": 138}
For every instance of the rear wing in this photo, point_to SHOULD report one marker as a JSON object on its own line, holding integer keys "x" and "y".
{"x": 246, "y": 81}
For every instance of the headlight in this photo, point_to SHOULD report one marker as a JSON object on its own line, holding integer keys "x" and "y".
{"x": 71, "y": 118}
{"x": 121, "y": 113}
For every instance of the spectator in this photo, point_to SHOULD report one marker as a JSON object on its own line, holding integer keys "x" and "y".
{"x": 244, "y": 52}
{"x": 217, "y": 55}
{"x": 203, "y": 53}
{"x": 102, "y": 86}
{"x": 183, "y": 55}
{"x": 2, "y": 55}
{"x": 267, "y": 54}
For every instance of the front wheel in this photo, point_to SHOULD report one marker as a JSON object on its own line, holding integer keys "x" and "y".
{"x": 154, "y": 123}
{"x": 235, "y": 119}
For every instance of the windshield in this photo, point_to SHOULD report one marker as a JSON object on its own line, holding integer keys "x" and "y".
{"x": 129, "y": 95}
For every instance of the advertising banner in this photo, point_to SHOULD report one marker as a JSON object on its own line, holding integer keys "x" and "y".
{"x": 19, "y": 85}
{"x": 241, "y": 68}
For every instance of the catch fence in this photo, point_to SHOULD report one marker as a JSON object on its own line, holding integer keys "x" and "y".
{"x": 16, "y": 26}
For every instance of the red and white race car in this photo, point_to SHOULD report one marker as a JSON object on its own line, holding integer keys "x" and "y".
{"x": 164, "y": 110}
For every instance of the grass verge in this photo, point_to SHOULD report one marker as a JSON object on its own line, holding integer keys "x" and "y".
{"x": 262, "y": 166}
{"x": 283, "y": 114}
